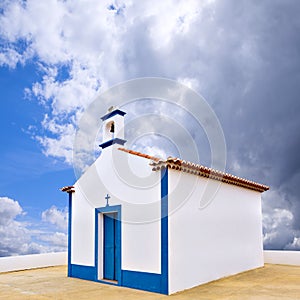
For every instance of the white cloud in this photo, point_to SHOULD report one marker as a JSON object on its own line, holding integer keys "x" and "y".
{"x": 14, "y": 235}
{"x": 189, "y": 82}
{"x": 224, "y": 49}
{"x": 9, "y": 209}
{"x": 57, "y": 217}
{"x": 18, "y": 237}
{"x": 278, "y": 230}
{"x": 279, "y": 227}
{"x": 10, "y": 57}
{"x": 107, "y": 51}
{"x": 57, "y": 240}
{"x": 295, "y": 245}
{"x": 60, "y": 144}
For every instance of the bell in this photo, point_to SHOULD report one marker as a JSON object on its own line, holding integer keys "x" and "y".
{"x": 112, "y": 128}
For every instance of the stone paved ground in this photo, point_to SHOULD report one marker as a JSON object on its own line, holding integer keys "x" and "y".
{"x": 270, "y": 282}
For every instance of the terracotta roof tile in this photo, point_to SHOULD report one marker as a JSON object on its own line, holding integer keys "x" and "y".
{"x": 196, "y": 169}
{"x": 140, "y": 154}
{"x": 68, "y": 189}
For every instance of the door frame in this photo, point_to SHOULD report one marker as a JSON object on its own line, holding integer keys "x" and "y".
{"x": 99, "y": 257}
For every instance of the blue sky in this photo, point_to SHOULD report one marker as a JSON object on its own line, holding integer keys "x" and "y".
{"x": 55, "y": 57}
{"x": 27, "y": 174}
{"x": 21, "y": 156}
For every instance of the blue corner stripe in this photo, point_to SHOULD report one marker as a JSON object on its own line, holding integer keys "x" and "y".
{"x": 113, "y": 113}
{"x": 164, "y": 233}
{"x": 111, "y": 142}
{"x": 69, "y": 235}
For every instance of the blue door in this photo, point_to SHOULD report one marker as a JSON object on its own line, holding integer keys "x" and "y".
{"x": 110, "y": 271}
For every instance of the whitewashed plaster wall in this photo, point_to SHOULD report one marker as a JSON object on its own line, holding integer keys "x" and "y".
{"x": 282, "y": 257}
{"x": 32, "y": 261}
{"x": 218, "y": 240}
{"x": 129, "y": 181}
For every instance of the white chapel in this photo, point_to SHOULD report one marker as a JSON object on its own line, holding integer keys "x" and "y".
{"x": 135, "y": 220}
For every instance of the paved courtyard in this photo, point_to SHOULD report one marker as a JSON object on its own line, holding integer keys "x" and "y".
{"x": 270, "y": 282}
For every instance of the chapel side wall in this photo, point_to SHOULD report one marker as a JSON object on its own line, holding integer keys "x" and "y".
{"x": 221, "y": 239}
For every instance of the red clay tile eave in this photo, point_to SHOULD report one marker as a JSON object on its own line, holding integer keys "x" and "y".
{"x": 68, "y": 189}
{"x": 140, "y": 154}
{"x": 189, "y": 167}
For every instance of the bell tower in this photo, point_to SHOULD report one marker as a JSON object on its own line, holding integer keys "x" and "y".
{"x": 113, "y": 127}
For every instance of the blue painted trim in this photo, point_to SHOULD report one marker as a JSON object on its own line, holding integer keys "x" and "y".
{"x": 110, "y": 209}
{"x": 84, "y": 272}
{"x": 69, "y": 235}
{"x": 141, "y": 280}
{"x": 87, "y": 273}
{"x": 113, "y": 113}
{"x": 111, "y": 142}
{"x": 164, "y": 233}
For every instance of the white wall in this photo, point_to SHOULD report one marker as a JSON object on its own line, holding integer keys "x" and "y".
{"x": 221, "y": 239}
{"x": 129, "y": 181}
{"x": 24, "y": 262}
{"x": 83, "y": 223}
{"x": 282, "y": 257}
